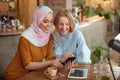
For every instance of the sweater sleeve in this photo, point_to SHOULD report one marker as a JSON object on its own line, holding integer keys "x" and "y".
{"x": 24, "y": 50}
{"x": 56, "y": 46}
{"x": 83, "y": 52}
{"x": 50, "y": 53}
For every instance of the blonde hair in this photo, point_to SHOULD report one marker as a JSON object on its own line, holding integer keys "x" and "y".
{"x": 63, "y": 13}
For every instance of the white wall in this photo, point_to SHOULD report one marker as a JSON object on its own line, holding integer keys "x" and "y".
{"x": 69, "y": 4}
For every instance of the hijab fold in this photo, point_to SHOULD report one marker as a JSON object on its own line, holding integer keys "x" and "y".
{"x": 34, "y": 34}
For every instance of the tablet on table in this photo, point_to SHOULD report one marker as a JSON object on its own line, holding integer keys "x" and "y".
{"x": 78, "y": 73}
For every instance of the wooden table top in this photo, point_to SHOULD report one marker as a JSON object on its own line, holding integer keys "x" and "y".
{"x": 39, "y": 74}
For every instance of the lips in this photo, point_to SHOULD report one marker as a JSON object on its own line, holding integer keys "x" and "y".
{"x": 63, "y": 31}
{"x": 46, "y": 28}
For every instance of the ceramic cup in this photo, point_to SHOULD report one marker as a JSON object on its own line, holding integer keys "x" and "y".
{"x": 52, "y": 71}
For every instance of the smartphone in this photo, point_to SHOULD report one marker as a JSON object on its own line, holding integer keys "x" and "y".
{"x": 69, "y": 59}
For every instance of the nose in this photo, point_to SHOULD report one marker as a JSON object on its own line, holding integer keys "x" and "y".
{"x": 64, "y": 26}
{"x": 49, "y": 24}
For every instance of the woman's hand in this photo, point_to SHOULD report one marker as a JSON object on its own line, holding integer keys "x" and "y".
{"x": 57, "y": 63}
{"x": 69, "y": 64}
{"x": 65, "y": 55}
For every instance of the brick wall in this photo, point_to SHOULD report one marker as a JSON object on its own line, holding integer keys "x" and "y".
{"x": 55, "y": 4}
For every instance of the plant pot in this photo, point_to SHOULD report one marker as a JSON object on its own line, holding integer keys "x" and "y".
{"x": 105, "y": 77}
{"x": 102, "y": 71}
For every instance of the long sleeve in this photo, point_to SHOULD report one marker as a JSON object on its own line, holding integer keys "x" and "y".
{"x": 82, "y": 52}
{"x": 56, "y": 46}
{"x": 73, "y": 42}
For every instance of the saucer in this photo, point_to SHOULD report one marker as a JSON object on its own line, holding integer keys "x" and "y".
{"x": 59, "y": 75}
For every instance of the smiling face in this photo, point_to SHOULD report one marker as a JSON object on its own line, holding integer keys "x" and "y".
{"x": 63, "y": 25}
{"x": 46, "y": 23}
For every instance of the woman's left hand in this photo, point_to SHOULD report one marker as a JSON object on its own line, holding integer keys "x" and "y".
{"x": 66, "y": 55}
{"x": 69, "y": 64}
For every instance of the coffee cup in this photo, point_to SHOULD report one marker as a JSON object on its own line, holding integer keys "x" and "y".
{"x": 52, "y": 71}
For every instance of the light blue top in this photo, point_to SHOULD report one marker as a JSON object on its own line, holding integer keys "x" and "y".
{"x": 73, "y": 42}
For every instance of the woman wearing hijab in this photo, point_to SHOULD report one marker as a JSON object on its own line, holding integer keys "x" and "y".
{"x": 68, "y": 40}
{"x": 35, "y": 44}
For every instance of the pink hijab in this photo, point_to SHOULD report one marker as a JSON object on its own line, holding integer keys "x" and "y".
{"x": 34, "y": 34}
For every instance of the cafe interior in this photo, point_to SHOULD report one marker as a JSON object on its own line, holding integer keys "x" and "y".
{"x": 97, "y": 19}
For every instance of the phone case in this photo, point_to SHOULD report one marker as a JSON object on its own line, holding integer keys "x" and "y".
{"x": 68, "y": 59}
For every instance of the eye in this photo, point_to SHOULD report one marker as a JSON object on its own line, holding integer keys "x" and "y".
{"x": 45, "y": 21}
{"x": 60, "y": 24}
{"x": 67, "y": 24}
{"x": 51, "y": 21}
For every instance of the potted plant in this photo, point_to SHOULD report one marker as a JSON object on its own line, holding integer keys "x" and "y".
{"x": 100, "y": 52}
{"x": 80, "y": 3}
{"x": 86, "y": 11}
{"x": 91, "y": 11}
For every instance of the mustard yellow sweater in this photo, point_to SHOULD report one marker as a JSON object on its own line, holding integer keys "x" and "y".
{"x": 25, "y": 54}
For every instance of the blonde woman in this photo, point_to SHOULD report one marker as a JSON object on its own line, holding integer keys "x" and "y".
{"x": 68, "y": 40}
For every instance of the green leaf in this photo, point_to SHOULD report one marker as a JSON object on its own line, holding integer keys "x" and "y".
{"x": 101, "y": 12}
{"x": 112, "y": 16}
{"x": 89, "y": 11}
{"x": 104, "y": 54}
{"x": 94, "y": 59}
{"x": 93, "y": 43}
{"x": 118, "y": 11}
{"x": 80, "y": 3}
{"x": 106, "y": 16}
{"x": 86, "y": 11}
{"x": 92, "y": 11}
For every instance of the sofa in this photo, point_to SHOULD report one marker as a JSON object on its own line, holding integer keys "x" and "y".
{"x": 8, "y": 47}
